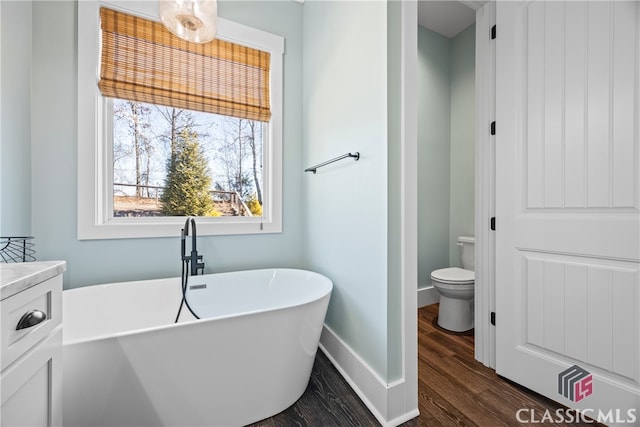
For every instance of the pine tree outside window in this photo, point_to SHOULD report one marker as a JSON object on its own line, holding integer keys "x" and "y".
{"x": 180, "y": 129}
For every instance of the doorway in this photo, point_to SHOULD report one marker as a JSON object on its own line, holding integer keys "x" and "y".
{"x": 446, "y": 137}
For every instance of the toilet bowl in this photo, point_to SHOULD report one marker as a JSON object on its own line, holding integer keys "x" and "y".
{"x": 456, "y": 288}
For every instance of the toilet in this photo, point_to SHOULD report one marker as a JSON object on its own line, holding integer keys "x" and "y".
{"x": 456, "y": 288}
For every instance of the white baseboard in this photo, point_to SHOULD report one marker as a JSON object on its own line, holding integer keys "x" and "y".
{"x": 385, "y": 401}
{"x": 427, "y": 296}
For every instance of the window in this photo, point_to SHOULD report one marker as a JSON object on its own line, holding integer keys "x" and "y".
{"x": 139, "y": 148}
{"x": 169, "y": 161}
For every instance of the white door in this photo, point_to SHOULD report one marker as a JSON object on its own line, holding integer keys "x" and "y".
{"x": 567, "y": 203}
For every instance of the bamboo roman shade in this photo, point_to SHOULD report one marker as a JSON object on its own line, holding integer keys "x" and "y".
{"x": 142, "y": 61}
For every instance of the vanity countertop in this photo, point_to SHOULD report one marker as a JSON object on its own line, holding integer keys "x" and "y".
{"x": 16, "y": 277}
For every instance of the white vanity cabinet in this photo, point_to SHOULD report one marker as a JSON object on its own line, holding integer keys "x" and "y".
{"x": 31, "y": 344}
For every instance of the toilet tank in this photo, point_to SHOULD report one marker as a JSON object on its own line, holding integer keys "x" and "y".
{"x": 468, "y": 251}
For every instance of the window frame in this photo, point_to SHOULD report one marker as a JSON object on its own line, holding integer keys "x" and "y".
{"x": 95, "y": 168}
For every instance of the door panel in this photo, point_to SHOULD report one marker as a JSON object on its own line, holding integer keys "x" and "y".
{"x": 567, "y": 199}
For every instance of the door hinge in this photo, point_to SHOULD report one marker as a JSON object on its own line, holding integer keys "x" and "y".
{"x": 492, "y": 223}
{"x": 493, "y": 32}
{"x": 493, "y": 318}
{"x": 493, "y": 128}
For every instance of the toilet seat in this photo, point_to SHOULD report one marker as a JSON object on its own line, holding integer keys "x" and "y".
{"x": 453, "y": 276}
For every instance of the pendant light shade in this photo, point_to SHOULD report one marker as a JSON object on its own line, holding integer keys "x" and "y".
{"x": 191, "y": 20}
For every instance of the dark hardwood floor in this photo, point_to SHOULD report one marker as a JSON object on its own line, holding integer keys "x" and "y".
{"x": 453, "y": 389}
{"x": 328, "y": 401}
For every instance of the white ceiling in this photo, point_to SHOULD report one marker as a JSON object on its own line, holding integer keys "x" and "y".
{"x": 447, "y": 17}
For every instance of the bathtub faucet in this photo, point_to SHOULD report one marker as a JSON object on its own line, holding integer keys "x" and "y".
{"x": 194, "y": 259}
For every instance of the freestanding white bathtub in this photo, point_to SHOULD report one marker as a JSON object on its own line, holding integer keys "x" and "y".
{"x": 250, "y": 356}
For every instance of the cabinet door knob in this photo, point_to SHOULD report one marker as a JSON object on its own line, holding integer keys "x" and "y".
{"x": 31, "y": 318}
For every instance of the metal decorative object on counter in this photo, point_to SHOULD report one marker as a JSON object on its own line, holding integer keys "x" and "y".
{"x": 17, "y": 249}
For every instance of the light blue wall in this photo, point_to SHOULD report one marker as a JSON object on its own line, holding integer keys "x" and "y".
{"x": 15, "y": 134}
{"x": 345, "y": 110}
{"x": 54, "y": 147}
{"x": 394, "y": 194}
{"x": 434, "y": 135}
{"x": 446, "y": 147}
{"x": 463, "y": 109}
